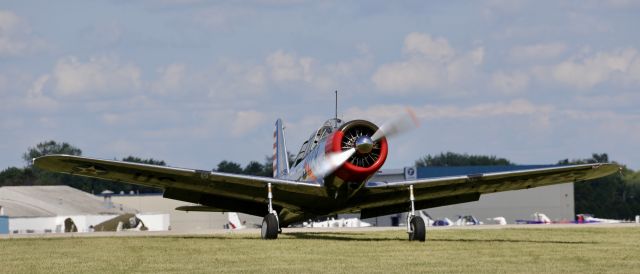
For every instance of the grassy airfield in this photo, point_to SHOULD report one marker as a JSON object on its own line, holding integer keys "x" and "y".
{"x": 586, "y": 250}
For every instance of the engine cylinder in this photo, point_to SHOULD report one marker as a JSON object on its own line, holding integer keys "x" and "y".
{"x": 365, "y": 162}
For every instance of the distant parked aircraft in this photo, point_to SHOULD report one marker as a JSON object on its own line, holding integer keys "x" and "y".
{"x": 342, "y": 222}
{"x": 443, "y": 222}
{"x": 498, "y": 220}
{"x": 234, "y": 221}
{"x": 537, "y": 218}
{"x": 121, "y": 223}
{"x": 467, "y": 220}
{"x": 588, "y": 218}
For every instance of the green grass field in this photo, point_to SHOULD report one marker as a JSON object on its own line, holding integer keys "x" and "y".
{"x": 584, "y": 250}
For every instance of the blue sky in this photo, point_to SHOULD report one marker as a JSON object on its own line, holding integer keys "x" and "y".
{"x": 196, "y": 82}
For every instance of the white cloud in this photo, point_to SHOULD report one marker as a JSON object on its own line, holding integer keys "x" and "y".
{"x": 36, "y": 98}
{"x": 246, "y": 121}
{"x": 537, "y": 52}
{"x": 97, "y": 75}
{"x": 346, "y": 75}
{"x": 286, "y": 71}
{"x": 618, "y": 66}
{"x": 232, "y": 80}
{"x": 431, "y": 64}
{"x": 111, "y": 118}
{"x": 15, "y": 35}
{"x": 382, "y": 113}
{"x": 423, "y": 44}
{"x": 498, "y": 7}
{"x": 287, "y": 67}
{"x": 171, "y": 78}
{"x": 408, "y": 75}
{"x": 510, "y": 83}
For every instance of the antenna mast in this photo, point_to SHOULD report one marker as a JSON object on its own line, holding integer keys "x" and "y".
{"x": 336, "y": 105}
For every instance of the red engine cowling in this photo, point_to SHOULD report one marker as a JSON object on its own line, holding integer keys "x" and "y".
{"x": 360, "y": 166}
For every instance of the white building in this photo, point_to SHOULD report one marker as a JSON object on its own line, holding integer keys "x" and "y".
{"x": 180, "y": 220}
{"x": 57, "y": 209}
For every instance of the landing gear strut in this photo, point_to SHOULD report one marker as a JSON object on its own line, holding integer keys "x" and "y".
{"x": 415, "y": 224}
{"x": 270, "y": 223}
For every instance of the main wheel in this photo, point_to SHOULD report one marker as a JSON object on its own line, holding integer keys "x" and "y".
{"x": 269, "y": 228}
{"x": 418, "y": 229}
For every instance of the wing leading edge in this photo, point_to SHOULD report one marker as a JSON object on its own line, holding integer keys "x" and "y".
{"x": 381, "y": 198}
{"x": 216, "y": 190}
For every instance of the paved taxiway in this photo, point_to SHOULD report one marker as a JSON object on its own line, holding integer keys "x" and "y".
{"x": 294, "y": 230}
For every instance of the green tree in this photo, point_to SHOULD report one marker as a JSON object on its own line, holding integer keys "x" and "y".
{"x": 14, "y": 176}
{"x": 457, "y": 159}
{"x": 30, "y": 175}
{"x": 268, "y": 166}
{"x": 49, "y": 147}
{"x": 614, "y": 196}
{"x": 229, "y": 167}
{"x": 254, "y": 168}
{"x": 595, "y": 158}
{"x": 149, "y": 161}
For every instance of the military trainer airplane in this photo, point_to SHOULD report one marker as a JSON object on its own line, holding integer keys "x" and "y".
{"x": 330, "y": 175}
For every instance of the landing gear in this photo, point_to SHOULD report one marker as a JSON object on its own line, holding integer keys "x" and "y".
{"x": 269, "y": 229}
{"x": 415, "y": 224}
{"x": 418, "y": 231}
{"x": 270, "y": 223}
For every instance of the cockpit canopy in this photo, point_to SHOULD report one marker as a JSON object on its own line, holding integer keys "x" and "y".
{"x": 327, "y": 128}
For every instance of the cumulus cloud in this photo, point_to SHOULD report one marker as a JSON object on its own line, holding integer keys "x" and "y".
{"x": 246, "y": 121}
{"x": 510, "y": 83}
{"x": 16, "y": 37}
{"x": 233, "y": 79}
{"x": 287, "y": 67}
{"x": 499, "y": 7}
{"x": 284, "y": 71}
{"x": 171, "y": 78}
{"x": 97, "y": 75}
{"x": 434, "y": 112}
{"x": 431, "y": 63}
{"x": 36, "y": 97}
{"x": 421, "y": 44}
{"x": 618, "y": 66}
{"x": 537, "y": 52}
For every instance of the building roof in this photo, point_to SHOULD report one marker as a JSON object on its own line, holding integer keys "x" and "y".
{"x": 49, "y": 201}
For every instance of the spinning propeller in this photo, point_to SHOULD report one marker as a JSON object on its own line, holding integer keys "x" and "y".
{"x": 360, "y": 146}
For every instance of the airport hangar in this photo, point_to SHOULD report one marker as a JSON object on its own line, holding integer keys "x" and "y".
{"x": 556, "y": 201}
{"x": 38, "y": 209}
{"x": 58, "y": 209}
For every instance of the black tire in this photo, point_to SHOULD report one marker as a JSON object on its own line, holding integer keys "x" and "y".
{"x": 269, "y": 230}
{"x": 419, "y": 231}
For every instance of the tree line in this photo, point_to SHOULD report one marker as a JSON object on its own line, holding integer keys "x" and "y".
{"x": 31, "y": 175}
{"x": 616, "y": 196}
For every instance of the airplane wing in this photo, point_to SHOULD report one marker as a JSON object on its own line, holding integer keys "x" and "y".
{"x": 381, "y": 198}
{"x": 217, "y": 191}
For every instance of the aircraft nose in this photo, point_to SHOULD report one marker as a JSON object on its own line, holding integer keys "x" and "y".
{"x": 364, "y": 144}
